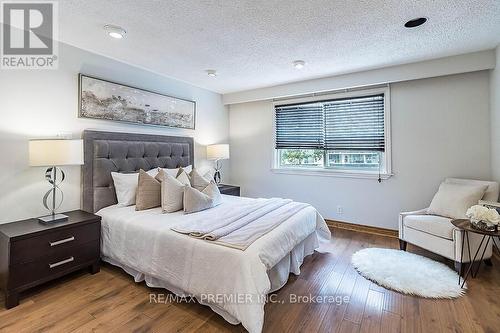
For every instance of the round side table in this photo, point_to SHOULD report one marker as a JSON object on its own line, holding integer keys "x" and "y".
{"x": 467, "y": 227}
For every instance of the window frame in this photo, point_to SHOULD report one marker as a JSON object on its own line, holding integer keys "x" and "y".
{"x": 332, "y": 171}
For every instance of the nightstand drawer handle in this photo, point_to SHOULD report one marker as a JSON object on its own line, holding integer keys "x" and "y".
{"x": 62, "y": 262}
{"x": 62, "y": 241}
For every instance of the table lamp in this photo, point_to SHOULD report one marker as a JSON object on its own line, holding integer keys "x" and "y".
{"x": 218, "y": 152}
{"x": 51, "y": 154}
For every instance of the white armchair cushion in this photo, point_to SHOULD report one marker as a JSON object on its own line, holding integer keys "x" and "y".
{"x": 453, "y": 200}
{"x": 434, "y": 225}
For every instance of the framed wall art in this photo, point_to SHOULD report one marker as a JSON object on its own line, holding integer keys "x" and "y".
{"x": 106, "y": 100}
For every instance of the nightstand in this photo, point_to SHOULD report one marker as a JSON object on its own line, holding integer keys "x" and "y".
{"x": 32, "y": 253}
{"x": 229, "y": 189}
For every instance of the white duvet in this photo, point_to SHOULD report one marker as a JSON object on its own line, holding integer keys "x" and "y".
{"x": 232, "y": 282}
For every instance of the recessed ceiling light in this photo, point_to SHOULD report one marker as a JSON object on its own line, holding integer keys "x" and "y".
{"x": 415, "y": 22}
{"x": 211, "y": 72}
{"x": 299, "y": 64}
{"x": 115, "y": 31}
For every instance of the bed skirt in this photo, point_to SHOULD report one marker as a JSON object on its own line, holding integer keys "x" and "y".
{"x": 278, "y": 275}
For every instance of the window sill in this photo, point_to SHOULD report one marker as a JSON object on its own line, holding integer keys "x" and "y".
{"x": 332, "y": 173}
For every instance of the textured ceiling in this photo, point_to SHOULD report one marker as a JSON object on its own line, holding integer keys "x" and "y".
{"x": 251, "y": 44}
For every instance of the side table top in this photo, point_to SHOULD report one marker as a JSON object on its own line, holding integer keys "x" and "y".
{"x": 465, "y": 224}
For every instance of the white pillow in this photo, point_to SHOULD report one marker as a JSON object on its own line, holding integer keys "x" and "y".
{"x": 173, "y": 172}
{"x": 172, "y": 190}
{"x": 126, "y": 186}
{"x": 453, "y": 200}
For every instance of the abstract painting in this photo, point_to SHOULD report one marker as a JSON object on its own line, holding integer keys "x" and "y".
{"x": 101, "y": 99}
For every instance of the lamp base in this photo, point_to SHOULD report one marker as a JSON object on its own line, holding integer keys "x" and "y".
{"x": 217, "y": 177}
{"x": 56, "y": 218}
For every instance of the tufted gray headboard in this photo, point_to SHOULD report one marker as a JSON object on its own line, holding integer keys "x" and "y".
{"x": 106, "y": 152}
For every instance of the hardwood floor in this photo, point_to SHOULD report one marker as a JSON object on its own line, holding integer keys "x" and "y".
{"x": 111, "y": 302}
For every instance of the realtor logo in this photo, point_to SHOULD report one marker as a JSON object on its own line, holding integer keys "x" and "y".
{"x": 28, "y": 33}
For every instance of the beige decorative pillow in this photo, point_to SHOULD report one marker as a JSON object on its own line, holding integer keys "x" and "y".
{"x": 213, "y": 192}
{"x": 161, "y": 174}
{"x": 198, "y": 181}
{"x": 453, "y": 200}
{"x": 183, "y": 177}
{"x": 172, "y": 191}
{"x": 148, "y": 192}
{"x": 209, "y": 175}
{"x": 195, "y": 201}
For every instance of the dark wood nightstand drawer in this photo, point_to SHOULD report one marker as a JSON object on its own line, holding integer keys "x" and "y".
{"x": 229, "y": 189}
{"x": 53, "y": 265}
{"x": 53, "y": 243}
{"x": 233, "y": 191}
{"x": 32, "y": 253}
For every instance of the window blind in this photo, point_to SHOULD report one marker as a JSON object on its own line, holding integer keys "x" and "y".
{"x": 355, "y": 124}
{"x": 300, "y": 126}
{"x": 349, "y": 124}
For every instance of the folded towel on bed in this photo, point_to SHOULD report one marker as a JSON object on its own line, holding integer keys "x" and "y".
{"x": 250, "y": 232}
{"x": 240, "y": 226}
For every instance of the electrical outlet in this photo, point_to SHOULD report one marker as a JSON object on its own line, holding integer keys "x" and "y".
{"x": 340, "y": 210}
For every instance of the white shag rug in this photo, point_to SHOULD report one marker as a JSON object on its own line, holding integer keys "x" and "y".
{"x": 407, "y": 273}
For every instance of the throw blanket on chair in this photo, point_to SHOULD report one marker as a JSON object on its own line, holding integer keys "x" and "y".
{"x": 240, "y": 226}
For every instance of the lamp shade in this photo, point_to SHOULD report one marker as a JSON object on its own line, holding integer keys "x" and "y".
{"x": 218, "y": 152}
{"x": 55, "y": 152}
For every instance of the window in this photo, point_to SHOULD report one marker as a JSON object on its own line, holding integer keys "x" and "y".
{"x": 343, "y": 134}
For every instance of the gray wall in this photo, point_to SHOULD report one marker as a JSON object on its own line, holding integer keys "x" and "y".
{"x": 440, "y": 128}
{"x": 495, "y": 118}
{"x": 42, "y": 103}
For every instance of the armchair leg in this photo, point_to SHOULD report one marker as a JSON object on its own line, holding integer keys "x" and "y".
{"x": 488, "y": 262}
{"x": 402, "y": 245}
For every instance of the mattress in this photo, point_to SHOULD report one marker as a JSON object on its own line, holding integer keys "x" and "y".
{"x": 142, "y": 243}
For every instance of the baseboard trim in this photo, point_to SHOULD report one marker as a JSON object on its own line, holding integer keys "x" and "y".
{"x": 362, "y": 228}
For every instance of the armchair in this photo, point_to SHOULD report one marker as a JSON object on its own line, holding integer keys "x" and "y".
{"x": 437, "y": 234}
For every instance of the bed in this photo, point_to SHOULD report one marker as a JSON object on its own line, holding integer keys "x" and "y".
{"x": 232, "y": 282}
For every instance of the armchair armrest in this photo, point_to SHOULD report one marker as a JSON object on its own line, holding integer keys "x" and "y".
{"x": 402, "y": 215}
{"x": 415, "y": 212}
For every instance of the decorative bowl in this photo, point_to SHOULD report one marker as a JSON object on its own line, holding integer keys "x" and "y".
{"x": 481, "y": 225}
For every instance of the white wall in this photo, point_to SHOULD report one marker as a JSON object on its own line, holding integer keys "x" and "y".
{"x": 440, "y": 128}
{"x": 41, "y": 103}
{"x": 495, "y": 118}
